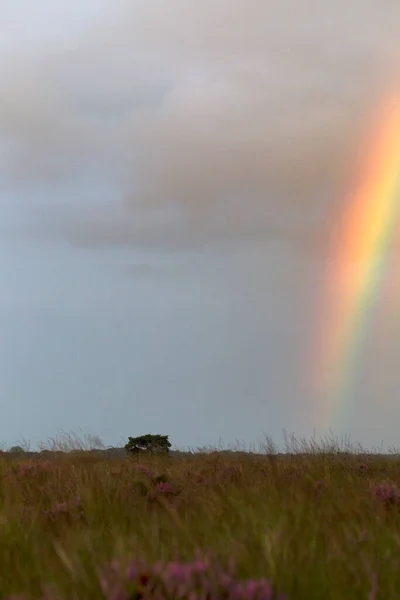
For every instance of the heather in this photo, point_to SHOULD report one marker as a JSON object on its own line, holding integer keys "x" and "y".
{"x": 310, "y": 523}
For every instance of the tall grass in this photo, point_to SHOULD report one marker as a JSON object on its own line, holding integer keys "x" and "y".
{"x": 316, "y": 522}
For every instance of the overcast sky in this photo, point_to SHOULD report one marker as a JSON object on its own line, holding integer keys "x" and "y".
{"x": 171, "y": 175}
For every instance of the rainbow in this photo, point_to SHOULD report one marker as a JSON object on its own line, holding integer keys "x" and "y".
{"x": 356, "y": 267}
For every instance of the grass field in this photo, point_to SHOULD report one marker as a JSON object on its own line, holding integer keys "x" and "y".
{"x": 316, "y": 524}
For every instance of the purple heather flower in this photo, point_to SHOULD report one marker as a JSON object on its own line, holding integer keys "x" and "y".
{"x": 145, "y": 470}
{"x": 197, "y": 580}
{"x": 387, "y": 493}
{"x": 164, "y": 488}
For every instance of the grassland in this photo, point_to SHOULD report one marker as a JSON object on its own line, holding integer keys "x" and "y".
{"x": 317, "y": 525}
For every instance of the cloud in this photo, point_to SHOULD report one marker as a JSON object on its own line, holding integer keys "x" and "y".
{"x": 213, "y": 121}
{"x": 140, "y": 271}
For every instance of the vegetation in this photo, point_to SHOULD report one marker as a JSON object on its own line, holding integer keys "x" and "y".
{"x": 154, "y": 444}
{"x": 16, "y": 449}
{"x": 309, "y": 524}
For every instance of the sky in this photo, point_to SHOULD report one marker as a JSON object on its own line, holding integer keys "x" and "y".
{"x": 171, "y": 175}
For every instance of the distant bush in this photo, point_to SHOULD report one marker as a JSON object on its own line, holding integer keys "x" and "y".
{"x": 16, "y": 449}
{"x": 153, "y": 444}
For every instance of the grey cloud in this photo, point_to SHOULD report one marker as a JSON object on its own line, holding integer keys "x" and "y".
{"x": 213, "y": 121}
{"x": 140, "y": 271}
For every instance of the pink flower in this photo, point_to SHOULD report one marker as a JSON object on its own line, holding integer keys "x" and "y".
{"x": 201, "y": 578}
{"x": 164, "y": 488}
{"x": 387, "y": 493}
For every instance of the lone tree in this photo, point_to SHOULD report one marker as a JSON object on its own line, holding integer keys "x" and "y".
{"x": 154, "y": 444}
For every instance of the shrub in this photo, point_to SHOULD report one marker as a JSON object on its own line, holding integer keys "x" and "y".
{"x": 16, "y": 449}
{"x": 153, "y": 444}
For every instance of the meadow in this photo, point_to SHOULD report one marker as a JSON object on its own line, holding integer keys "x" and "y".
{"x": 309, "y": 524}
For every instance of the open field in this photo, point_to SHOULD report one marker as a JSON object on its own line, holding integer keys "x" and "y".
{"x": 314, "y": 524}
